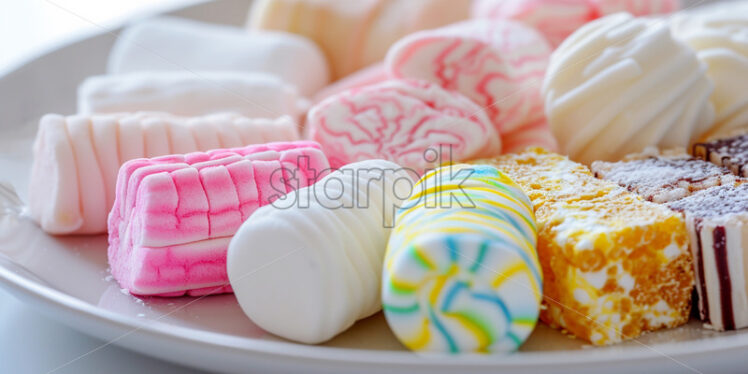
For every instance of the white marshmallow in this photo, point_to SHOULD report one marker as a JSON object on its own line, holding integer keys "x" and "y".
{"x": 719, "y": 34}
{"x": 173, "y": 44}
{"x": 309, "y": 265}
{"x": 620, "y": 84}
{"x": 191, "y": 94}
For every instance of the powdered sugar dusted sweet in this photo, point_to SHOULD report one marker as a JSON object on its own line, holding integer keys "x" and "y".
{"x": 717, "y": 221}
{"x": 663, "y": 179}
{"x": 731, "y": 153}
{"x": 715, "y": 202}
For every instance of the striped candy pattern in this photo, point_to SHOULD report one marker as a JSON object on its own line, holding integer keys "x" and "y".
{"x": 465, "y": 277}
{"x": 498, "y": 64}
{"x": 76, "y": 158}
{"x": 173, "y": 216}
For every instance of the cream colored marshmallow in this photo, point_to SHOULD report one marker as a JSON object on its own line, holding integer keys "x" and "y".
{"x": 719, "y": 34}
{"x": 620, "y": 84}
{"x": 355, "y": 34}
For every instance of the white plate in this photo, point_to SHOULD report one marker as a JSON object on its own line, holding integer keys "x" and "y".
{"x": 67, "y": 278}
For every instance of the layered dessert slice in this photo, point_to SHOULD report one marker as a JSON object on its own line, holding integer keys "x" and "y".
{"x": 731, "y": 153}
{"x": 661, "y": 178}
{"x": 717, "y": 221}
{"x": 173, "y": 216}
{"x": 614, "y": 265}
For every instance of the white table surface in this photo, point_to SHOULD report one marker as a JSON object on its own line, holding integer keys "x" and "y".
{"x": 29, "y": 342}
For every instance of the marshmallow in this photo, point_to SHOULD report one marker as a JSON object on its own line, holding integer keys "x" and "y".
{"x": 173, "y": 216}
{"x": 556, "y": 19}
{"x": 190, "y": 94}
{"x": 309, "y": 265}
{"x": 719, "y": 34}
{"x": 411, "y": 123}
{"x": 461, "y": 272}
{"x": 174, "y": 44}
{"x": 498, "y": 64}
{"x": 355, "y": 34}
{"x": 620, "y": 84}
{"x": 76, "y": 158}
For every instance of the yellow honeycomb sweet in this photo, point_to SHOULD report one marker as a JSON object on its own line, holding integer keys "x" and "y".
{"x": 614, "y": 266}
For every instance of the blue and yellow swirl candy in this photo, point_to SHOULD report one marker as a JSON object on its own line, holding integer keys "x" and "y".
{"x": 461, "y": 272}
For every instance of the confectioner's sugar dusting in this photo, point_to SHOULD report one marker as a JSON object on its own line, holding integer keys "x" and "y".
{"x": 715, "y": 202}
{"x": 715, "y": 205}
{"x": 730, "y": 152}
{"x": 662, "y": 179}
{"x": 717, "y": 221}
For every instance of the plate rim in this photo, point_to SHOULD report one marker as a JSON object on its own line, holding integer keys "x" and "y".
{"x": 17, "y": 283}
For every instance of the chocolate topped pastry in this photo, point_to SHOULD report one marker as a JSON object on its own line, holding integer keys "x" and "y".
{"x": 717, "y": 221}
{"x": 731, "y": 153}
{"x": 662, "y": 178}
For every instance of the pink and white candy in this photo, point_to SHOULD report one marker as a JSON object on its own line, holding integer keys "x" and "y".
{"x": 498, "y": 64}
{"x": 76, "y": 158}
{"x": 557, "y": 19}
{"x": 173, "y": 216}
{"x": 407, "y": 122}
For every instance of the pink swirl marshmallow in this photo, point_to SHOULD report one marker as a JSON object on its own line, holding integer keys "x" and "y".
{"x": 500, "y": 65}
{"x": 411, "y": 123}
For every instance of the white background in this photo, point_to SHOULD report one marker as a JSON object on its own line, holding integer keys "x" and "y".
{"x": 29, "y": 342}
{"x": 28, "y": 27}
